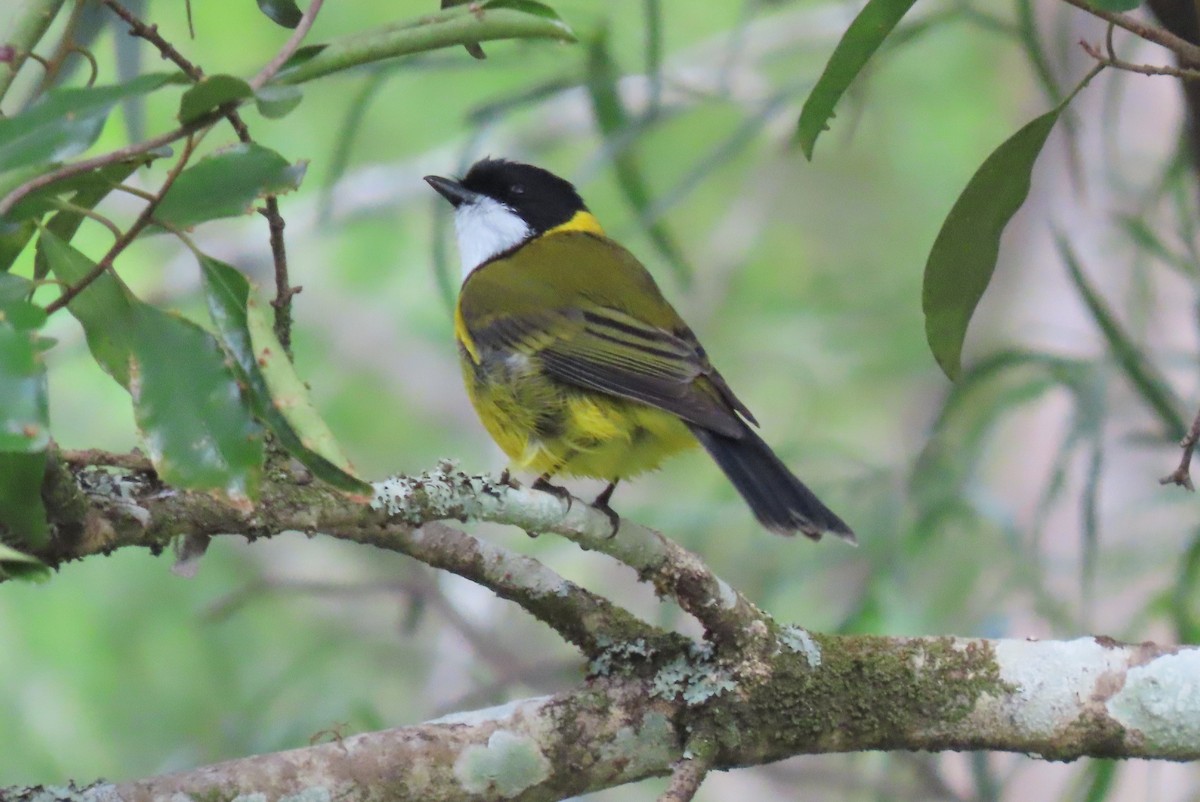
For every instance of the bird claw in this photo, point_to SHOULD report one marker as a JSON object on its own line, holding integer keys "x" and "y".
{"x": 561, "y": 493}
{"x": 601, "y": 505}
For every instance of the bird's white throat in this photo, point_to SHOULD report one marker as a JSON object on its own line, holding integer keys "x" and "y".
{"x": 485, "y": 228}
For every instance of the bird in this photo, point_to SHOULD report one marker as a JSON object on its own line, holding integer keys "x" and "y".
{"x": 576, "y": 363}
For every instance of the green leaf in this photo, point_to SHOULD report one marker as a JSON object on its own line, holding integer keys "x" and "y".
{"x": 963, "y": 257}
{"x": 15, "y": 306}
{"x": 1116, "y": 5}
{"x": 615, "y": 125}
{"x": 13, "y": 289}
{"x": 187, "y": 404}
{"x": 14, "y": 564}
{"x": 461, "y": 25}
{"x": 860, "y": 41}
{"x": 226, "y": 184}
{"x": 277, "y": 395}
{"x": 281, "y": 12}
{"x": 193, "y": 420}
{"x": 13, "y": 239}
{"x": 24, "y": 399}
{"x": 1138, "y": 367}
{"x": 45, "y": 199}
{"x": 277, "y": 100}
{"x": 104, "y": 308}
{"x": 66, "y": 122}
{"x": 211, "y": 92}
{"x": 89, "y": 194}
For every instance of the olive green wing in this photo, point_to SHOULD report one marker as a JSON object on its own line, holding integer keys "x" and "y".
{"x": 590, "y": 315}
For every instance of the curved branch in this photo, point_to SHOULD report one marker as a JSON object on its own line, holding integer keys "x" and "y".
{"x": 729, "y": 618}
{"x": 134, "y": 509}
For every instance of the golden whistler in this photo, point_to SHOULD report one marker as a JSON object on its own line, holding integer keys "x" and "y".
{"x": 576, "y": 363}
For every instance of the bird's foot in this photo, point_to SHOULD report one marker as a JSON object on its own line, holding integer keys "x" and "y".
{"x": 601, "y": 504}
{"x": 561, "y": 493}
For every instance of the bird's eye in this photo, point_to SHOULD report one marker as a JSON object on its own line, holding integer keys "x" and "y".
{"x": 517, "y": 189}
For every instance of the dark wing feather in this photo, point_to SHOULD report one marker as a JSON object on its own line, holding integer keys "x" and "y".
{"x": 584, "y": 339}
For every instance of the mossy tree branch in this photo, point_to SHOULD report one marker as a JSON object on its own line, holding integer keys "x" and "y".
{"x": 783, "y": 691}
{"x": 1060, "y": 700}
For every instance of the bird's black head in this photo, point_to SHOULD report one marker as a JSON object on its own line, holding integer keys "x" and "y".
{"x": 501, "y": 205}
{"x": 537, "y": 196}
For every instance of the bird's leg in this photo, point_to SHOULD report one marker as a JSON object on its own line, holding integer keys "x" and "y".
{"x": 601, "y": 504}
{"x": 507, "y": 480}
{"x": 561, "y": 493}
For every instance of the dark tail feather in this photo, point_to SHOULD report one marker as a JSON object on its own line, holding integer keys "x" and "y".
{"x": 778, "y": 499}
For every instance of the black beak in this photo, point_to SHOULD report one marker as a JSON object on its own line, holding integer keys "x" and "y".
{"x": 451, "y": 190}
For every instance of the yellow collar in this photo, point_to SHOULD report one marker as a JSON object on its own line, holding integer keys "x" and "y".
{"x": 581, "y": 221}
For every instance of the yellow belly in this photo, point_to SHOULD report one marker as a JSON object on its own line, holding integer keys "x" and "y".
{"x": 548, "y": 427}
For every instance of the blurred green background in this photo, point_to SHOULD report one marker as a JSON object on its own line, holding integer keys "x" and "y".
{"x": 1025, "y": 504}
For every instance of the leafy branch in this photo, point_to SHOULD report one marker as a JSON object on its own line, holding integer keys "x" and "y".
{"x": 193, "y": 442}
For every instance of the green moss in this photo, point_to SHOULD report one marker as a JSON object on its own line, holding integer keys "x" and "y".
{"x": 819, "y": 710}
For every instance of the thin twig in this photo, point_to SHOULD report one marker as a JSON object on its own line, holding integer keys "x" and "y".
{"x": 1151, "y": 33}
{"x": 689, "y": 772}
{"x": 1142, "y": 69}
{"x": 25, "y": 30}
{"x": 125, "y": 239}
{"x": 112, "y": 157}
{"x": 91, "y": 214}
{"x": 284, "y": 292}
{"x": 66, "y": 44}
{"x": 275, "y": 223}
{"x": 137, "y": 192}
{"x": 282, "y": 302}
{"x": 91, "y": 60}
{"x": 150, "y": 34}
{"x": 290, "y": 46}
{"x": 1182, "y": 475}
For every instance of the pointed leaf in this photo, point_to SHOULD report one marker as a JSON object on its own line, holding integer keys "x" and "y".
{"x": 963, "y": 257}
{"x": 89, "y": 194}
{"x": 13, "y": 289}
{"x": 104, "y": 308}
{"x": 187, "y": 404}
{"x": 65, "y": 122}
{"x": 209, "y": 93}
{"x": 226, "y": 184}
{"x": 194, "y": 423}
{"x": 860, "y": 41}
{"x": 13, "y": 239}
{"x": 281, "y": 12}
{"x": 277, "y": 100}
{"x": 19, "y": 566}
{"x": 278, "y": 396}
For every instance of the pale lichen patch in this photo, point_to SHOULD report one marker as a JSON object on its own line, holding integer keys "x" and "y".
{"x": 798, "y": 640}
{"x": 1050, "y": 680}
{"x": 509, "y": 764}
{"x": 1161, "y": 701}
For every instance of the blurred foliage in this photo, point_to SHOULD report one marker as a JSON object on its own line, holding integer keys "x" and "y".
{"x": 1020, "y": 501}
